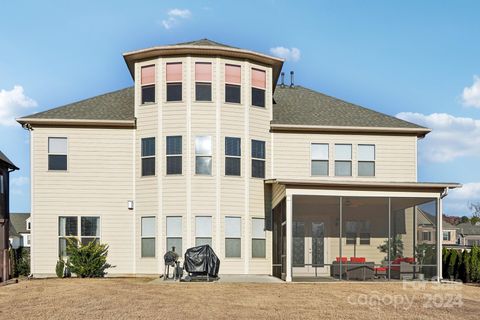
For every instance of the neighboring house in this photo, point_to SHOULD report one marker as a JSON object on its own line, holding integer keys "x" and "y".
{"x": 427, "y": 229}
{"x": 20, "y": 227}
{"x": 6, "y": 166}
{"x": 206, "y": 148}
{"x": 468, "y": 234}
{"x": 449, "y": 233}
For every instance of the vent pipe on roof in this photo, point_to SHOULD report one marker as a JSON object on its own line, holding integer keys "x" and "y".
{"x": 282, "y": 84}
{"x": 292, "y": 79}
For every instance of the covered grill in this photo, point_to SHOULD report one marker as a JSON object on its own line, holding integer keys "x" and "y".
{"x": 201, "y": 261}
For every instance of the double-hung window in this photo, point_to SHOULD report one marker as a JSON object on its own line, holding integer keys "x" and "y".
{"x": 233, "y": 240}
{"x": 233, "y": 80}
{"x": 233, "y": 155}
{"x": 174, "y": 155}
{"x": 67, "y": 229}
{"x": 148, "y": 157}
{"x": 366, "y": 160}
{"x": 203, "y": 231}
{"x": 258, "y": 88}
{"x": 148, "y": 237}
{"x": 174, "y": 234}
{"x": 174, "y": 81}
{"x": 343, "y": 160}
{"x": 258, "y": 159}
{"x": 57, "y": 154}
{"x": 203, "y": 155}
{"x": 319, "y": 153}
{"x": 258, "y": 238}
{"x": 148, "y": 84}
{"x": 89, "y": 229}
{"x": 446, "y": 236}
{"x": 203, "y": 81}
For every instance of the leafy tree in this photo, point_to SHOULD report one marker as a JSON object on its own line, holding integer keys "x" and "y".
{"x": 464, "y": 269}
{"x": 20, "y": 262}
{"x": 89, "y": 260}
{"x": 475, "y": 264}
{"x": 445, "y": 256}
{"x": 464, "y": 219}
{"x": 452, "y": 261}
{"x": 475, "y": 207}
{"x": 396, "y": 248}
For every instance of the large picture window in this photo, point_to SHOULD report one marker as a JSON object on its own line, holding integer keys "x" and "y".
{"x": 174, "y": 234}
{"x": 148, "y": 237}
{"x": 319, "y": 153}
{"x": 258, "y": 88}
{"x": 258, "y": 159}
{"x": 83, "y": 229}
{"x": 148, "y": 84}
{"x": 203, "y": 81}
{"x": 174, "y": 81}
{"x": 203, "y": 231}
{"x": 233, "y": 155}
{"x": 57, "y": 154}
{"x": 366, "y": 160}
{"x": 258, "y": 238}
{"x": 174, "y": 155}
{"x": 148, "y": 156}
{"x": 343, "y": 160}
{"x": 233, "y": 240}
{"x": 233, "y": 80}
{"x": 203, "y": 155}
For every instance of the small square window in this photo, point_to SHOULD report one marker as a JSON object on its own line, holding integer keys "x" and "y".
{"x": 232, "y": 93}
{"x": 148, "y": 94}
{"x": 203, "y": 91}
{"x": 258, "y": 97}
{"x": 174, "y": 91}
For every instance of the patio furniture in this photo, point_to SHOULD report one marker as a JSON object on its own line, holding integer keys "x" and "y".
{"x": 404, "y": 268}
{"x": 355, "y": 269}
{"x": 380, "y": 272}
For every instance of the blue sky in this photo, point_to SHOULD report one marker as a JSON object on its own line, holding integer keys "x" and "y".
{"x": 414, "y": 59}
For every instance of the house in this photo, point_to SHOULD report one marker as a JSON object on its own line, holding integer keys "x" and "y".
{"x": 449, "y": 233}
{"x": 20, "y": 226}
{"x": 206, "y": 148}
{"x": 468, "y": 234}
{"x": 6, "y": 166}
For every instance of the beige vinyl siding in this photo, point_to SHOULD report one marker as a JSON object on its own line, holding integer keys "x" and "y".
{"x": 395, "y": 156}
{"x": 98, "y": 183}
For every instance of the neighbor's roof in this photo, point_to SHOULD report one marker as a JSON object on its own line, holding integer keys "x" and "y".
{"x": 113, "y": 108}
{"x": 467, "y": 228}
{"x": 299, "y": 108}
{"x": 4, "y": 159}
{"x": 295, "y": 108}
{"x": 18, "y": 223}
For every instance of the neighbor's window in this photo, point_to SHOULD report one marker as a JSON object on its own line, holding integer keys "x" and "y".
{"x": 426, "y": 236}
{"x": 148, "y": 157}
{"x": 366, "y": 160}
{"x": 351, "y": 238}
{"x": 174, "y": 234}
{"x": 89, "y": 229}
{"x": 365, "y": 238}
{"x": 258, "y": 87}
{"x": 203, "y": 81}
{"x": 174, "y": 81}
{"x": 446, "y": 236}
{"x": 258, "y": 238}
{"x": 233, "y": 80}
{"x": 233, "y": 241}
{"x": 57, "y": 154}
{"x": 232, "y": 156}
{"x": 148, "y": 84}
{"x": 67, "y": 229}
{"x": 343, "y": 159}
{"x": 27, "y": 240}
{"x": 29, "y": 225}
{"x": 203, "y": 155}
{"x": 258, "y": 159}
{"x": 203, "y": 231}
{"x": 148, "y": 237}
{"x": 174, "y": 155}
{"x": 319, "y": 153}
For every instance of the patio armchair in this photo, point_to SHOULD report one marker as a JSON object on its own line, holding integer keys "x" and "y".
{"x": 355, "y": 269}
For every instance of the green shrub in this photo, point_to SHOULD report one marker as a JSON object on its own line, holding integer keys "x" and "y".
{"x": 475, "y": 264}
{"x": 452, "y": 260}
{"x": 59, "y": 268}
{"x": 445, "y": 256}
{"x": 464, "y": 269}
{"x": 20, "y": 259}
{"x": 87, "y": 261}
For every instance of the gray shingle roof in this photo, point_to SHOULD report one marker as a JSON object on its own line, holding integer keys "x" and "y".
{"x": 293, "y": 106}
{"x": 203, "y": 42}
{"x": 468, "y": 228}
{"x": 116, "y": 105}
{"x": 18, "y": 223}
{"x": 3, "y": 158}
{"x": 302, "y": 106}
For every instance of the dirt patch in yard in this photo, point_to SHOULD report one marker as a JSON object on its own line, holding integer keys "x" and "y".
{"x": 139, "y": 299}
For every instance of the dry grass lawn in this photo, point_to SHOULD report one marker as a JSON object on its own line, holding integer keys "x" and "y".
{"x": 139, "y": 299}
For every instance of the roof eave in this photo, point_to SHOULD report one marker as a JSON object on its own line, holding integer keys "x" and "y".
{"x": 77, "y": 122}
{"x": 419, "y": 132}
{"x": 176, "y": 50}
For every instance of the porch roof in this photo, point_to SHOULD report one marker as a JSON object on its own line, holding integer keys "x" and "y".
{"x": 372, "y": 185}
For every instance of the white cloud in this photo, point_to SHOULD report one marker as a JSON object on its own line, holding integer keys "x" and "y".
{"x": 458, "y": 200}
{"x": 471, "y": 95}
{"x": 451, "y": 137}
{"x": 289, "y": 54}
{"x": 173, "y": 17}
{"x": 14, "y": 103}
{"x": 17, "y": 184}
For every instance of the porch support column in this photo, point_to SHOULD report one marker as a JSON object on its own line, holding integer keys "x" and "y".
{"x": 288, "y": 226}
{"x": 439, "y": 238}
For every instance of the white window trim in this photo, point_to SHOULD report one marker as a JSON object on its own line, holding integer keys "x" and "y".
{"x": 206, "y": 82}
{"x": 256, "y": 238}
{"x": 154, "y": 84}
{"x": 374, "y": 159}
{"x": 57, "y": 154}
{"x": 167, "y": 155}
{"x": 148, "y": 157}
{"x": 169, "y": 82}
{"x": 240, "y": 238}
{"x": 343, "y": 160}
{"x": 204, "y": 155}
{"x": 327, "y": 160}
{"x": 259, "y": 159}
{"x": 79, "y": 229}
{"x": 234, "y": 157}
{"x": 211, "y": 228}
{"x": 144, "y": 237}
{"x": 232, "y": 84}
{"x": 167, "y": 237}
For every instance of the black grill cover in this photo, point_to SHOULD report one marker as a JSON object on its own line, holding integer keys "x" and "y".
{"x": 201, "y": 260}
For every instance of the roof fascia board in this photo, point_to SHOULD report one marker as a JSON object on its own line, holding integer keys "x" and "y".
{"x": 77, "y": 122}
{"x": 420, "y": 132}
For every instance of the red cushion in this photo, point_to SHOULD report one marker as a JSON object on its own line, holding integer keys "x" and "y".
{"x": 409, "y": 260}
{"x": 358, "y": 260}
{"x": 344, "y": 259}
{"x": 380, "y": 269}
